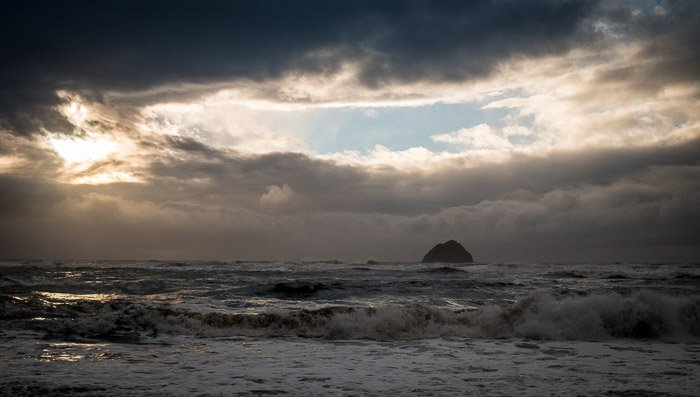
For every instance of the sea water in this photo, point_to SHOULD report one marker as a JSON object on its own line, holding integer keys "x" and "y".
{"x": 337, "y": 328}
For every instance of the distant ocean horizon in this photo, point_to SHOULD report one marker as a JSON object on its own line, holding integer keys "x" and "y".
{"x": 333, "y": 327}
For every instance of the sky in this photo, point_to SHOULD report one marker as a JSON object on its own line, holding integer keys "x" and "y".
{"x": 354, "y": 130}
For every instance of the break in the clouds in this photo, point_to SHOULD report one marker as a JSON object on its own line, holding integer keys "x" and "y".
{"x": 547, "y": 130}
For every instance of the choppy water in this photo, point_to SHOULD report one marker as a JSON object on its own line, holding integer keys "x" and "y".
{"x": 139, "y": 328}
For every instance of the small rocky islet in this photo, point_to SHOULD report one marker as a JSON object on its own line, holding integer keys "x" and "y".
{"x": 448, "y": 252}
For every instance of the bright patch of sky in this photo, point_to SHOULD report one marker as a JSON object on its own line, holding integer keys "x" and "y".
{"x": 397, "y": 128}
{"x": 321, "y": 129}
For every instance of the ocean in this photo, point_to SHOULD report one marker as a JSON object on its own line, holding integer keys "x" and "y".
{"x": 93, "y": 328}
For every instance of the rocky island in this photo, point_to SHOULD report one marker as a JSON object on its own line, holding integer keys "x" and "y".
{"x": 449, "y": 252}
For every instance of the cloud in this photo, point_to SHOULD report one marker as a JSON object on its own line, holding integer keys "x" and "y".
{"x": 573, "y": 101}
{"x": 371, "y": 113}
{"x": 205, "y": 203}
{"x": 364, "y": 54}
{"x": 92, "y": 52}
{"x": 106, "y": 226}
{"x": 583, "y": 144}
{"x": 667, "y": 35}
{"x": 480, "y": 136}
{"x": 608, "y": 95}
{"x": 638, "y": 219}
{"x": 276, "y": 196}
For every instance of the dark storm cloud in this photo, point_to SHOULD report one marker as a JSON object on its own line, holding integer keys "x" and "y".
{"x": 677, "y": 50}
{"x": 92, "y": 46}
{"x": 668, "y": 34}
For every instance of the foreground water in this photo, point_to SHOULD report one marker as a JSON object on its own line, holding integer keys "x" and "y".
{"x": 325, "y": 328}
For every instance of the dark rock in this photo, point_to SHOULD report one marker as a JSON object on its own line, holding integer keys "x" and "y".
{"x": 448, "y": 252}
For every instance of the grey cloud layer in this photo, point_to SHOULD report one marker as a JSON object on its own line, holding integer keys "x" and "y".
{"x": 204, "y": 203}
{"x": 327, "y": 186}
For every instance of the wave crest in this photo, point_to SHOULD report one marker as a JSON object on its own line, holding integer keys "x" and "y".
{"x": 536, "y": 316}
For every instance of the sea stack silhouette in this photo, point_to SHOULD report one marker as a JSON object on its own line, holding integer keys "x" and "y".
{"x": 449, "y": 252}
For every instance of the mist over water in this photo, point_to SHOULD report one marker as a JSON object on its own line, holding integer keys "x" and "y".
{"x": 123, "y": 304}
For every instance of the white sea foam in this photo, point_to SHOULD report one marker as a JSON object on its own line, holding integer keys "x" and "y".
{"x": 535, "y": 316}
{"x": 186, "y": 365}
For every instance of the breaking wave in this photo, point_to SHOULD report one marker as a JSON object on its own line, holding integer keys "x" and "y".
{"x": 536, "y": 316}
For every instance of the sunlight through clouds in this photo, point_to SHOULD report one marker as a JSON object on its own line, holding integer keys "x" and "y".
{"x": 83, "y": 150}
{"x": 95, "y": 159}
{"x": 548, "y": 105}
